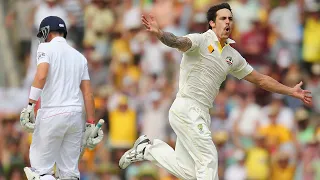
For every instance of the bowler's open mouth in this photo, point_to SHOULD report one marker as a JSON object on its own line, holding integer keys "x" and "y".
{"x": 227, "y": 29}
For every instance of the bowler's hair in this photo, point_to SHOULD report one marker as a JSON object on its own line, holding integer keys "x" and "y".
{"x": 212, "y": 12}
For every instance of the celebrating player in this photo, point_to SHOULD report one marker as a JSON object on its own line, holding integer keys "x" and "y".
{"x": 207, "y": 59}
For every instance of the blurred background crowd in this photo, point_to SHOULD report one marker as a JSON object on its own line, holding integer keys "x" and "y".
{"x": 258, "y": 135}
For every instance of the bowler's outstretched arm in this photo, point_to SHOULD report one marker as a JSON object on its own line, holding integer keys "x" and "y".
{"x": 167, "y": 38}
{"x": 270, "y": 84}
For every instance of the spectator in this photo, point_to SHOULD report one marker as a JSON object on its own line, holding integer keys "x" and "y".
{"x": 282, "y": 167}
{"x": 220, "y": 138}
{"x": 245, "y": 119}
{"x": 315, "y": 164}
{"x": 76, "y": 29}
{"x": 16, "y": 173}
{"x": 155, "y": 114}
{"x": 131, "y": 16}
{"x": 97, "y": 70}
{"x": 310, "y": 156}
{"x": 245, "y": 11}
{"x": 124, "y": 72}
{"x": 219, "y": 120}
{"x": 311, "y": 35}
{"x": 314, "y": 86}
{"x": 19, "y": 17}
{"x": 283, "y": 114}
{"x": 123, "y": 132}
{"x": 198, "y": 23}
{"x": 147, "y": 172}
{"x": 305, "y": 131}
{"x": 238, "y": 170}
{"x": 155, "y": 55}
{"x": 285, "y": 24}
{"x": 253, "y": 43}
{"x": 276, "y": 134}
{"x": 258, "y": 159}
{"x": 99, "y": 19}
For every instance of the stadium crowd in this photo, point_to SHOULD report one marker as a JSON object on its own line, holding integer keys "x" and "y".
{"x": 258, "y": 135}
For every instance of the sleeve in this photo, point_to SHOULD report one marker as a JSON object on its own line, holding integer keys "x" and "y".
{"x": 85, "y": 73}
{"x": 196, "y": 40}
{"x": 241, "y": 68}
{"x": 42, "y": 54}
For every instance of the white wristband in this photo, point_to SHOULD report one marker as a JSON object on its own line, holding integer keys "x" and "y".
{"x": 35, "y": 93}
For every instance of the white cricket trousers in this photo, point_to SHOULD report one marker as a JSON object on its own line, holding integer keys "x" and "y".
{"x": 57, "y": 140}
{"x": 195, "y": 156}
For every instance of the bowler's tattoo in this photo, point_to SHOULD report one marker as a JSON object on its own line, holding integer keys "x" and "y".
{"x": 181, "y": 43}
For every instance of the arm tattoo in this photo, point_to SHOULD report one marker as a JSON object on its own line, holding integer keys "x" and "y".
{"x": 181, "y": 43}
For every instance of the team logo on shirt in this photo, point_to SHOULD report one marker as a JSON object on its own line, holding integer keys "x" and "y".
{"x": 200, "y": 127}
{"x": 229, "y": 60}
{"x": 41, "y": 55}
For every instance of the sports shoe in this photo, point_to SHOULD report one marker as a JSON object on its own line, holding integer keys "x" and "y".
{"x": 136, "y": 153}
{"x": 31, "y": 173}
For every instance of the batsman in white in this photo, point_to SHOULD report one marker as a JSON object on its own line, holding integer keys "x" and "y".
{"x": 207, "y": 59}
{"x": 58, "y": 132}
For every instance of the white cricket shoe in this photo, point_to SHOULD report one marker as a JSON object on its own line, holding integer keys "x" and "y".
{"x": 31, "y": 173}
{"x": 136, "y": 153}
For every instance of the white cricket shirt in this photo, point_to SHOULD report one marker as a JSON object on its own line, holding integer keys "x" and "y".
{"x": 203, "y": 67}
{"x": 67, "y": 68}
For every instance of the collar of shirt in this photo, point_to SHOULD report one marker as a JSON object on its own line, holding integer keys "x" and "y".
{"x": 215, "y": 38}
{"x": 58, "y": 39}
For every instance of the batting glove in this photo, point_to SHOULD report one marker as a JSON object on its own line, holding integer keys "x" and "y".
{"x": 88, "y": 130}
{"x": 90, "y": 140}
{"x": 27, "y": 119}
{"x": 93, "y": 141}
